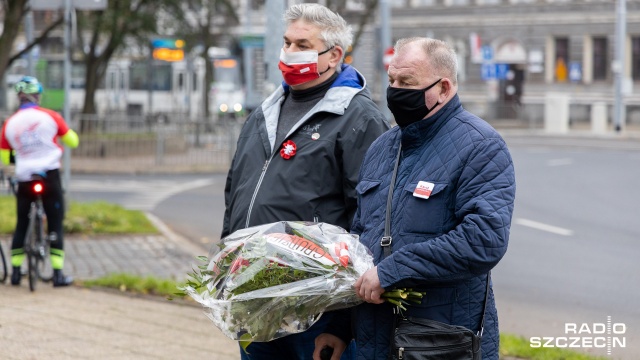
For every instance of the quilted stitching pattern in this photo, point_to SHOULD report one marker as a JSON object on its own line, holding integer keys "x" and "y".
{"x": 453, "y": 147}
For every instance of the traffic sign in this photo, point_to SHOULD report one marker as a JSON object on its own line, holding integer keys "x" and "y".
{"x": 386, "y": 58}
{"x": 575, "y": 71}
{"x": 494, "y": 71}
{"x": 167, "y": 43}
{"x": 487, "y": 53}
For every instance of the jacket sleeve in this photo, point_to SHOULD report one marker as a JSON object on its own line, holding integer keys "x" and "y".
{"x": 484, "y": 200}
{"x": 227, "y": 200}
{"x": 353, "y": 151}
{"x": 340, "y": 324}
{"x": 5, "y": 148}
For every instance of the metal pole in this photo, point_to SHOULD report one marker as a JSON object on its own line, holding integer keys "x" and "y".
{"x": 150, "y": 83}
{"x": 619, "y": 64}
{"x": 385, "y": 40}
{"x": 66, "y": 113}
{"x": 273, "y": 44}
{"x": 28, "y": 25}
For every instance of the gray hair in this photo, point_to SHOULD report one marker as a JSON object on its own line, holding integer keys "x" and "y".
{"x": 334, "y": 30}
{"x": 442, "y": 57}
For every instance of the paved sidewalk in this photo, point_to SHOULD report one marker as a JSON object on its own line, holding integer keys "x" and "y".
{"x": 77, "y": 323}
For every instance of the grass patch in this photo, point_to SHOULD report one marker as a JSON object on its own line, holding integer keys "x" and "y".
{"x": 518, "y": 346}
{"x": 91, "y": 218}
{"x": 135, "y": 284}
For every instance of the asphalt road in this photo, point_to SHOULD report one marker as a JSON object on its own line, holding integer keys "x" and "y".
{"x": 573, "y": 251}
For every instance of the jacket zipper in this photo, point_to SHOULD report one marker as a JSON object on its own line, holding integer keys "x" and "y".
{"x": 255, "y": 192}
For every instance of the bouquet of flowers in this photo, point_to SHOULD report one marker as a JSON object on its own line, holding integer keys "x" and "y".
{"x": 277, "y": 279}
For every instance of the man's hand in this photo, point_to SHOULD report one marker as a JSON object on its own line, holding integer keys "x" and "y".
{"x": 368, "y": 287}
{"x": 327, "y": 340}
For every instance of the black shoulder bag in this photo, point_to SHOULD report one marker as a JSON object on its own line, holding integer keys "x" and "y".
{"x": 418, "y": 338}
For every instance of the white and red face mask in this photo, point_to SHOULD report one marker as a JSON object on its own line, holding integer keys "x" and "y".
{"x": 299, "y": 67}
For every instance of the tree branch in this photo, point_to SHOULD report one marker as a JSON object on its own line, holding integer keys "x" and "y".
{"x": 36, "y": 41}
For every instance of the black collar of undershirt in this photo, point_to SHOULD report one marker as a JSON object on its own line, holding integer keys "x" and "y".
{"x": 315, "y": 92}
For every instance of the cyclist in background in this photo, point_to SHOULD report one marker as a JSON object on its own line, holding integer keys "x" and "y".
{"x": 30, "y": 135}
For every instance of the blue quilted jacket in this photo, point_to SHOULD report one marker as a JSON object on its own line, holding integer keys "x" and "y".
{"x": 444, "y": 245}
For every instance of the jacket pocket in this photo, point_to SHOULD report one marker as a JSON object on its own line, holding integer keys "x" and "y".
{"x": 437, "y": 304}
{"x": 424, "y": 216}
{"x": 367, "y": 204}
{"x": 365, "y": 185}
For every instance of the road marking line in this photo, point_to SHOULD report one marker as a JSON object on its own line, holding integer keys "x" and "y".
{"x": 544, "y": 227}
{"x": 560, "y": 162}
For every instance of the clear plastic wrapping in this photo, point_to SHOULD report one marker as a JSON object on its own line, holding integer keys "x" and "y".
{"x": 277, "y": 279}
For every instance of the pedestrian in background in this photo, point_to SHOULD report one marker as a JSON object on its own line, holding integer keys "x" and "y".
{"x": 298, "y": 155}
{"x": 32, "y": 132}
{"x": 450, "y": 213}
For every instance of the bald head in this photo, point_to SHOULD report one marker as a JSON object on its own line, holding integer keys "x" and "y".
{"x": 434, "y": 56}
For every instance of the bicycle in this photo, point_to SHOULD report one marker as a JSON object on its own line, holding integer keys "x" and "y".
{"x": 36, "y": 245}
{"x": 3, "y": 268}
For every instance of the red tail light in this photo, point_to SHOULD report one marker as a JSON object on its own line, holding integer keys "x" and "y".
{"x": 37, "y": 188}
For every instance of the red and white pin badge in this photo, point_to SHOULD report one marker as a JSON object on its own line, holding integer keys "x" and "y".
{"x": 423, "y": 189}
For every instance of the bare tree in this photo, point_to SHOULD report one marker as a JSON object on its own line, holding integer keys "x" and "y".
{"x": 14, "y": 12}
{"x": 198, "y": 29}
{"x": 363, "y": 19}
{"x": 108, "y": 31}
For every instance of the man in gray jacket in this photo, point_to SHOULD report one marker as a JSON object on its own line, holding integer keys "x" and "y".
{"x": 299, "y": 154}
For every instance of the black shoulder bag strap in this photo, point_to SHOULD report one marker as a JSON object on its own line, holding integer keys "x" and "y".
{"x": 387, "y": 239}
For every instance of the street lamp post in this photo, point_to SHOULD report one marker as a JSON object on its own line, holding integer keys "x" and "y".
{"x": 621, "y": 30}
{"x": 67, "y": 6}
{"x": 385, "y": 40}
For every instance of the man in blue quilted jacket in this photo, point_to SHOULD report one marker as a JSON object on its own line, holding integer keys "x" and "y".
{"x": 451, "y": 208}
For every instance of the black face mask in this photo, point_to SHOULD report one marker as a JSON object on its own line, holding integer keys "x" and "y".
{"x": 408, "y": 105}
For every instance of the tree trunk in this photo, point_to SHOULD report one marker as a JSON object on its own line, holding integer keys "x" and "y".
{"x": 92, "y": 79}
{"x": 13, "y": 17}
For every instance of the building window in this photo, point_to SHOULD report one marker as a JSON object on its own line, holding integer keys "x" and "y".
{"x": 635, "y": 58}
{"x": 180, "y": 81}
{"x": 599, "y": 58}
{"x": 194, "y": 81}
{"x": 422, "y": 3}
{"x": 456, "y": 2}
{"x": 160, "y": 80}
{"x": 562, "y": 59}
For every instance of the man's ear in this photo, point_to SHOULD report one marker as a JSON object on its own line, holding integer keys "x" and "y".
{"x": 445, "y": 90}
{"x": 336, "y": 55}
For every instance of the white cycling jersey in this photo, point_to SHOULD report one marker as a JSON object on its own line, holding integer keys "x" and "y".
{"x": 32, "y": 133}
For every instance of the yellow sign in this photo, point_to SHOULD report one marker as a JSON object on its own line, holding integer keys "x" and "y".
{"x": 168, "y": 54}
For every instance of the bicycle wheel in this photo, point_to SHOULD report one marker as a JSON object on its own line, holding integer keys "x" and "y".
{"x": 32, "y": 268}
{"x": 30, "y": 248}
{"x": 45, "y": 271}
{"x": 3, "y": 268}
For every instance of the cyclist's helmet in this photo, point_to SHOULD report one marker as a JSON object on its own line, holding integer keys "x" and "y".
{"x": 28, "y": 85}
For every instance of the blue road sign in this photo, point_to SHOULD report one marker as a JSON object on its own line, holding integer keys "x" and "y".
{"x": 487, "y": 53}
{"x": 575, "y": 71}
{"x": 494, "y": 71}
{"x": 501, "y": 71}
{"x": 488, "y": 71}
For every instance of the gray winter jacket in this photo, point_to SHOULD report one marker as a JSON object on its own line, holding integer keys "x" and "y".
{"x": 316, "y": 183}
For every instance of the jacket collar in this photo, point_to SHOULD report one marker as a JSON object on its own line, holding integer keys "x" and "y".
{"x": 337, "y": 99}
{"x": 417, "y": 132}
{"x": 28, "y": 105}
